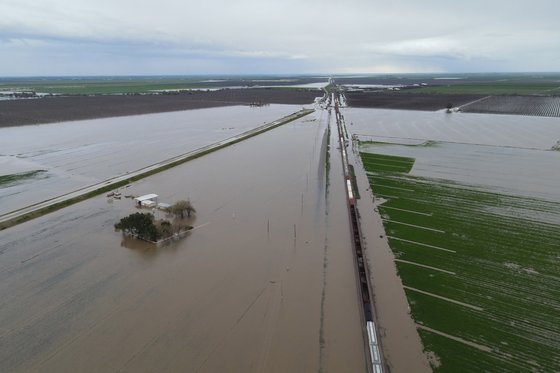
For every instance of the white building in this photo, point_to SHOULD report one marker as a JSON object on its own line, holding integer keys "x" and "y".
{"x": 147, "y": 200}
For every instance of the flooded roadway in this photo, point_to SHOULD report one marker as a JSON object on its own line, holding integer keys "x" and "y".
{"x": 266, "y": 282}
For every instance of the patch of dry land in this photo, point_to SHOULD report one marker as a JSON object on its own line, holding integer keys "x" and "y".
{"x": 70, "y": 108}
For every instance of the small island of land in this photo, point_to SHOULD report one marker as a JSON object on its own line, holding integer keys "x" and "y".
{"x": 145, "y": 227}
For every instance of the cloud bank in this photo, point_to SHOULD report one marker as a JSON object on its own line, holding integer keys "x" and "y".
{"x": 103, "y": 37}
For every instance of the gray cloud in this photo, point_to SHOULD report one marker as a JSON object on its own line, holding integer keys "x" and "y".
{"x": 246, "y": 36}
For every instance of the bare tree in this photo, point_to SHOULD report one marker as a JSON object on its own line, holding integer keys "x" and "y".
{"x": 181, "y": 207}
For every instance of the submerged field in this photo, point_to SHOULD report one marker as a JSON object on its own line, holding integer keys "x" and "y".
{"x": 265, "y": 282}
{"x": 73, "y": 155}
{"x": 479, "y": 266}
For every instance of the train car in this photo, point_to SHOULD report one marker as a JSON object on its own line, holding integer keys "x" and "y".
{"x": 351, "y": 199}
{"x": 374, "y": 348}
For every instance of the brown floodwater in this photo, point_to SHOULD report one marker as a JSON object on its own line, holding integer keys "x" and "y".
{"x": 264, "y": 283}
{"x": 401, "y": 343}
{"x": 81, "y": 153}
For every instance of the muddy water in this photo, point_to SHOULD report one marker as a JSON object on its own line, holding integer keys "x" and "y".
{"x": 81, "y": 153}
{"x": 265, "y": 282}
{"x": 508, "y": 153}
{"x": 401, "y": 343}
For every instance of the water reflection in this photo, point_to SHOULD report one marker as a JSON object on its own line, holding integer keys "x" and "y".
{"x": 145, "y": 249}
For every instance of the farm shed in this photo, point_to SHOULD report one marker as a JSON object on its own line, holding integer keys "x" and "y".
{"x": 147, "y": 200}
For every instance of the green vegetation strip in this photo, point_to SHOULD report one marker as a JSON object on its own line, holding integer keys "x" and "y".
{"x": 12, "y": 179}
{"x": 510, "y": 88}
{"x": 100, "y": 86}
{"x": 108, "y": 186}
{"x": 498, "y": 312}
{"x": 386, "y": 163}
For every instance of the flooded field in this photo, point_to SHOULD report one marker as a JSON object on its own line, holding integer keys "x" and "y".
{"x": 474, "y": 233}
{"x": 265, "y": 282}
{"x": 522, "y": 172}
{"x": 77, "y": 154}
{"x": 483, "y": 129}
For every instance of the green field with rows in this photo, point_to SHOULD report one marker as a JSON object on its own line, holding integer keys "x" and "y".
{"x": 480, "y": 269}
{"x": 493, "y": 89}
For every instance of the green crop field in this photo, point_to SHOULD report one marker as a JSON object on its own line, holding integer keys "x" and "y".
{"x": 387, "y": 163}
{"x": 492, "y": 89}
{"x": 142, "y": 84}
{"x": 98, "y": 86}
{"x": 481, "y": 270}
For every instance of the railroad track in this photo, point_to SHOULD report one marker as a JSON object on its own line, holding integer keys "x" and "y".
{"x": 374, "y": 356}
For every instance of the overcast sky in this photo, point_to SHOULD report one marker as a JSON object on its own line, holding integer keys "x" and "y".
{"x": 122, "y": 37}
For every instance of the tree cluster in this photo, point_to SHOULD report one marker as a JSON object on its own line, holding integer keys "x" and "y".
{"x": 141, "y": 225}
{"x": 181, "y": 207}
{"x": 449, "y": 107}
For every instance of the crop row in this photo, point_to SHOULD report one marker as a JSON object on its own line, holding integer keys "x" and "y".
{"x": 481, "y": 278}
{"x": 546, "y": 106}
